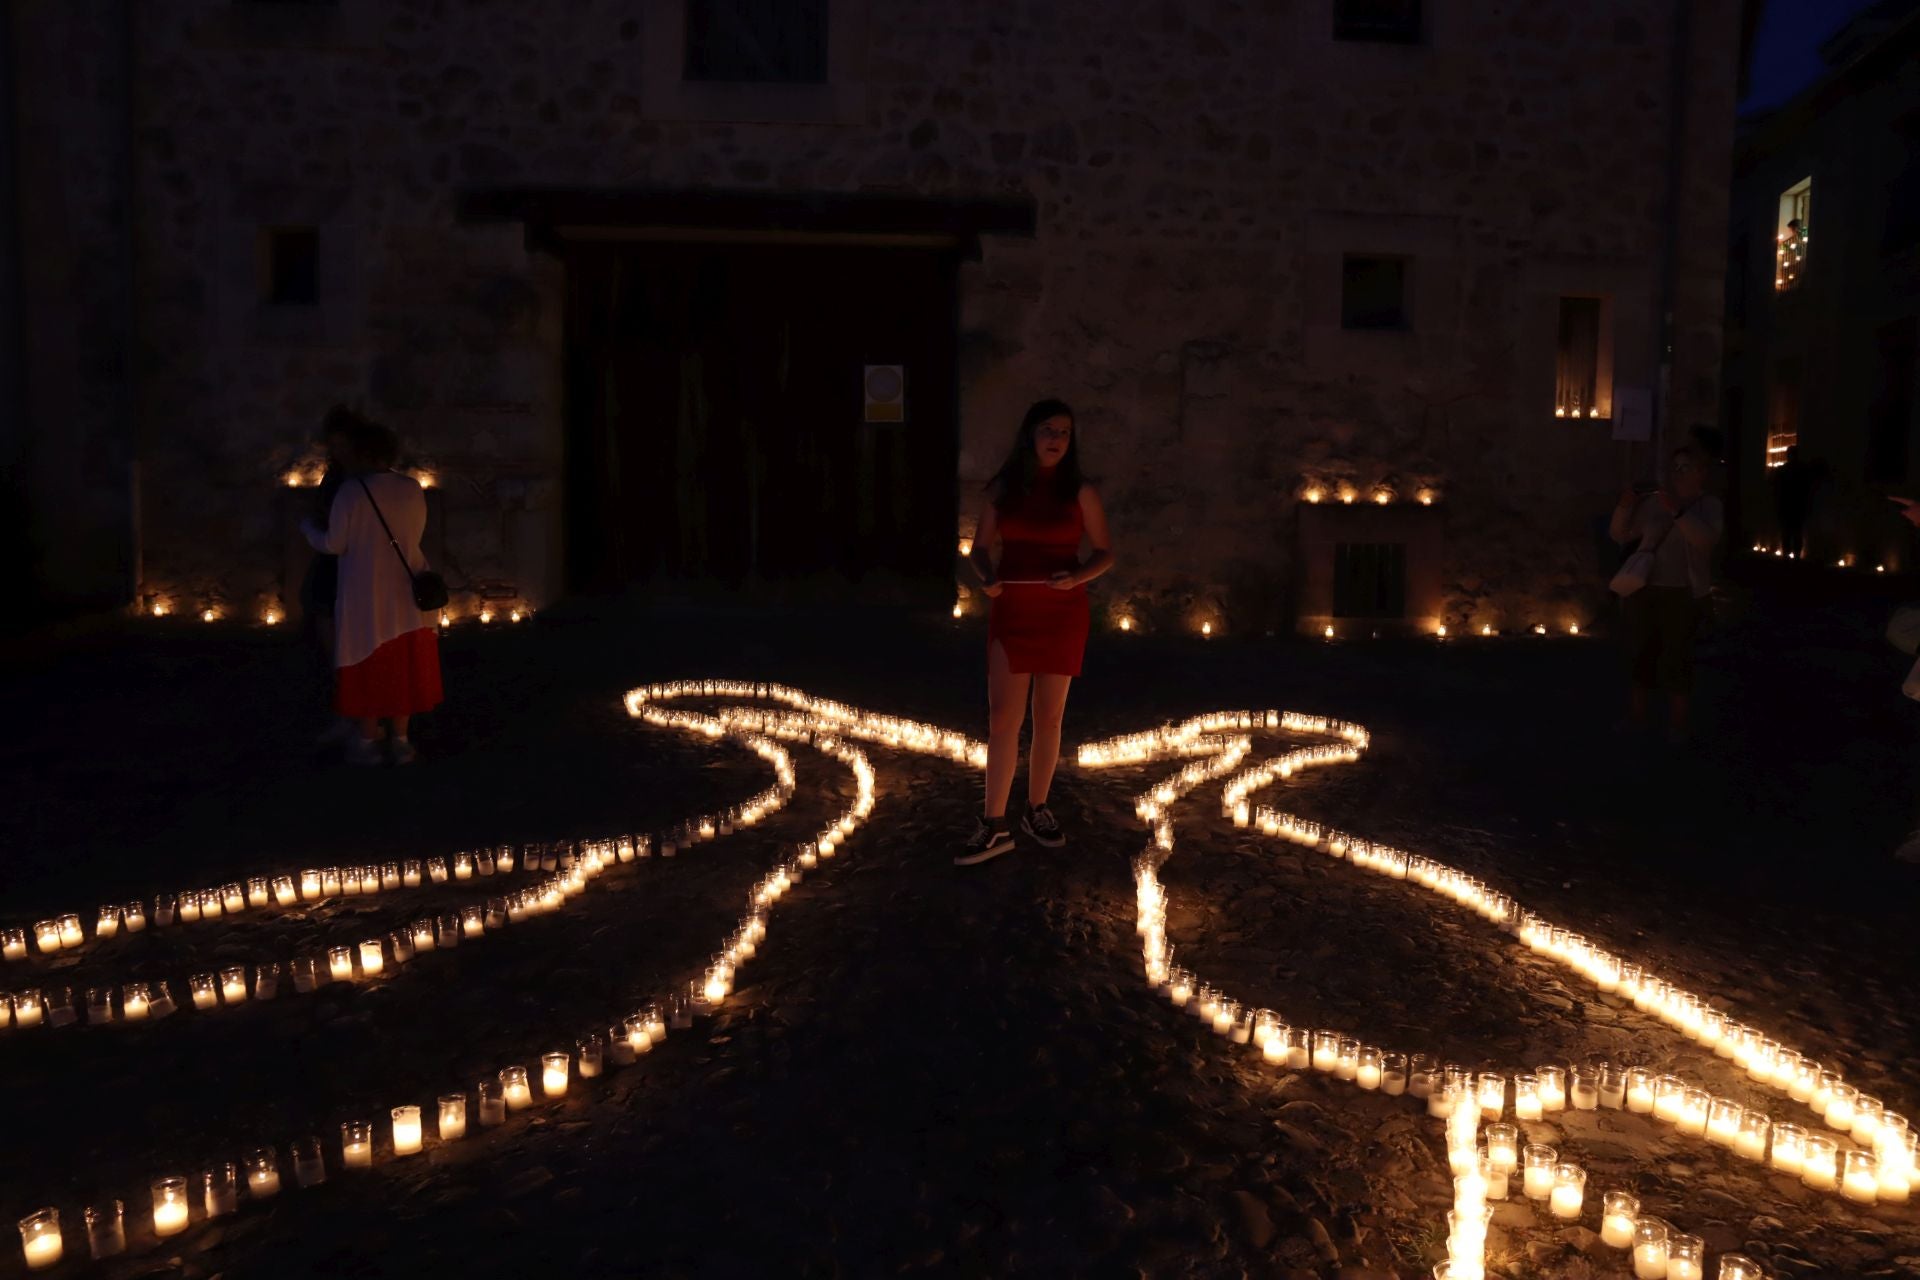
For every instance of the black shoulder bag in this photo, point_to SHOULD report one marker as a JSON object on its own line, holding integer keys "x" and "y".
{"x": 429, "y": 588}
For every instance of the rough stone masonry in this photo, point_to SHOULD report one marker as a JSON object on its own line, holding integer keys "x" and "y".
{"x": 1198, "y": 170}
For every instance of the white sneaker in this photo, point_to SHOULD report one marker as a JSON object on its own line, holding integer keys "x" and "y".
{"x": 402, "y": 751}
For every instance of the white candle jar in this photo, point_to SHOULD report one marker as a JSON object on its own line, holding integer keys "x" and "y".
{"x": 13, "y": 944}
{"x": 1686, "y": 1257}
{"x": 493, "y": 1102}
{"x": 1619, "y": 1211}
{"x": 233, "y": 898}
{"x": 312, "y": 886}
{"x": 1821, "y": 1167}
{"x": 1393, "y": 1074}
{"x": 1553, "y": 1088}
{"x": 1738, "y": 1266}
{"x": 1613, "y": 1087}
{"x": 206, "y": 994}
{"x": 1583, "y": 1088}
{"x": 220, "y": 1190}
{"x": 1537, "y": 1170}
{"x": 135, "y": 1000}
{"x": 1491, "y": 1091}
{"x": 589, "y": 1054}
{"x": 410, "y": 874}
{"x": 1369, "y": 1072}
{"x": 373, "y": 958}
{"x": 1860, "y": 1177}
{"x": 233, "y": 984}
{"x": 304, "y": 971}
{"x": 163, "y": 909}
{"x": 1503, "y": 1147}
{"x": 390, "y": 876}
{"x": 1789, "y": 1149}
{"x": 1569, "y": 1191}
{"x": 406, "y": 1130}
{"x": 284, "y": 894}
{"x": 514, "y": 1088}
{"x": 162, "y": 1004}
{"x": 437, "y": 870}
{"x": 46, "y": 936}
{"x": 309, "y": 1162}
{"x": 1750, "y": 1142}
{"x": 463, "y": 866}
{"x": 1669, "y": 1098}
{"x": 99, "y": 1005}
{"x": 40, "y": 1239}
{"x": 1650, "y": 1237}
{"x": 169, "y": 1206}
{"x": 452, "y": 1116}
{"x": 1526, "y": 1097}
{"x": 473, "y": 921}
{"x": 339, "y": 964}
{"x": 106, "y": 1229}
{"x": 107, "y": 924}
{"x": 1693, "y": 1112}
{"x": 263, "y": 1173}
{"x": 71, "y": 935}
{"x": 356, "y": 1145}
{"x": 1723, "y": 1121}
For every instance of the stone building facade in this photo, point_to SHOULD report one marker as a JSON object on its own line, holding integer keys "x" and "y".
{"x": 1824, "y": 316}
{"x": 1273, "y": 252}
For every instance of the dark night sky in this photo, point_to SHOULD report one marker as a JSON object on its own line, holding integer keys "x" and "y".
{"x": 1786, "y": 52}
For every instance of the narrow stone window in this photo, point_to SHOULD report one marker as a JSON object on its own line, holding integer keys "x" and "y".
{"x": 1783, "y": 411}
{"x": 1378, "y": 21}
{"x": 1370, "y": 580}
{"x": 1373, "y": 293}
{"x": 757, "y": 41}
{"x": 1790, "y": 242}
{"x": 290, "y": 268}
{"x": 1582, "y": 374}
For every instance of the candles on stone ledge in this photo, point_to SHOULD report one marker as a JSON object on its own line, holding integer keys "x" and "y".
{"x": 452, "y": 1117}
{"x": 356, "y": 1145}
{"x": 106, "y": 1229}
{"x": 169, "y": 1206}
{"x": 263, "y": 1173}
{"x": 1650, "y": 1249}
{"x": 1619, "y": 1211}
{"x": 406, "y": 1130}
{"x": 41, "y": 1240}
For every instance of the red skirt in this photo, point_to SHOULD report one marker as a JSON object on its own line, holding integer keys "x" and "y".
{"x": 400, "y": 678}
{"x": 1044, "y": 631}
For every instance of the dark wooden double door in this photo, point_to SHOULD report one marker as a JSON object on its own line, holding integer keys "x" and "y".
{"x": 716, "y": 406}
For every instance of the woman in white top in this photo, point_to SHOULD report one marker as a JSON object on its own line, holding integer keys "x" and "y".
{"x": 1680, "y": 523}
{"x": 386, "y": 649}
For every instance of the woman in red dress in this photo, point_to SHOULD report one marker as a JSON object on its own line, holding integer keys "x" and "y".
{"x": 1026, "y": 551}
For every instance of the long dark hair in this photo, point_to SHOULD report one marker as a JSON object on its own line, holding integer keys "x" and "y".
{"x": 1014, "y": 480}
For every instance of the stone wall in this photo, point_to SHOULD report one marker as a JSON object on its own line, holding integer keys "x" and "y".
{"x": 1198, "y": 171}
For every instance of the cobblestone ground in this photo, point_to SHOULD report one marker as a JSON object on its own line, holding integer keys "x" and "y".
{"x": 931, "y": 1071}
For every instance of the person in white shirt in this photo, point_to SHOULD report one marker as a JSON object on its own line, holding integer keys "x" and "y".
{"x": 386, "y": 648}
{"x": 1680, "y": 524}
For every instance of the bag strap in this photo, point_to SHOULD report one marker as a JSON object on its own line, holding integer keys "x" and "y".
{"x": 1664, "y": 533}
{"x": 391, "y": 540}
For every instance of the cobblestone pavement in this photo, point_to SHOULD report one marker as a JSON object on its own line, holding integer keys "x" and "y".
{"x": 932, "y": 1071}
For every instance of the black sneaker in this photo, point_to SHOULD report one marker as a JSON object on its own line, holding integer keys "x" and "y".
{"x": 1040, "y": 824}
{"x": 987, "y": 842}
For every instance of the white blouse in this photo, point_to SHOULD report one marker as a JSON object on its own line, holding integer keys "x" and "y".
{"x": 376, "y": 593}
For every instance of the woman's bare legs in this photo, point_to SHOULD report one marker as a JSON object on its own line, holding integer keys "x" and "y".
{"x": 1043, "y": 754}
{"x": 1006, "y": 710}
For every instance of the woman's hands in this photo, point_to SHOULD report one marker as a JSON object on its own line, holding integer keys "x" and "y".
{"x": 991, "y": 589}
{"x": 1061, "y": 580}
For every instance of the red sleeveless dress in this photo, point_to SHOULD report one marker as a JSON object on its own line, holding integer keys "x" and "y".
{"x": 1043, "y": 630}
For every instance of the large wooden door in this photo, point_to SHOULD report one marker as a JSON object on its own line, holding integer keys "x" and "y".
{"x": 715, "y": 405}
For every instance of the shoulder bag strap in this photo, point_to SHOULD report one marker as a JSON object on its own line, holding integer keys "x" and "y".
{"x": 391, "y": 541}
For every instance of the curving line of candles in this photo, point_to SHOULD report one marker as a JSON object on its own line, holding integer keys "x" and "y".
{"x": 1480, "y": 1171}
{"x": 574, "y": 865}
{"x": 217, "y": 1189}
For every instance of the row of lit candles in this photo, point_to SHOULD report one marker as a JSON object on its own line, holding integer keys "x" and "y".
{"x": 1844, "y": 562}
{"x": 273, "y": 615}
{"x": 1892, "y": 1155}
{"x": 1560, "y": 1183}
{"x": 65, "y": 933}
{"x": 42, "y": 1239}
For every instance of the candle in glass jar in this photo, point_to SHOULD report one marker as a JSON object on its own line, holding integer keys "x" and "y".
{"x": 453, "y": 1117}
{"x": 309, "y": 1163}
{"x": 1553, "y": 1088}
{"x": 1650, "y": 1249}
{"x": 1640, "y": 1094}
{"x": 1526, "y": 1097}
{"x": 493, "y": 1102}
{"x": 1693, "y": 1112}
{"x": 205, "y": 994}
{"x": 234, "y": 898}
{"x": 1669, "y": 1098}
{"x": 1618, "y": 1213}
{"x": 13, "y": 944}
{"x": 1583, "y": 1089}
{"x": 233, "y": 985}
{"x": 1368, "y": 1071}
{"x": 1839, "y": 1108}
{"x": 1491, "y": 1091}
{"x": 472, "y": 922}
{"x": 133, "y": 1001}
{"x": 1569, "y": 1191}
{"x": 70, "y": 932}
{"x": 553, "y": 1074}
{"x": 1860, "y": 1177}
{"x": 1503, "y": 1147}
{"x": 406, "y": 1131}
{"x": 108, "y": 923}
{"x": 514, "y": 1088}
{"x": 263, "y": 1174}
{"x": 169, "y": 1206}
{"x": 1723, "y": 1121}
{"x": 1686, "y": 1257}
{"x": 1820, "y": 1168}
{"x": 106, "y": 1229}
{"x": 356, "y": 1145}
{"x": 47, "y": 935}
{"x": 1789, "y": 1148}
{"x": 589, "y": 1055}
{"x": 220, "y": 1190}
{"x": 1750, "y": 1143}
{"x": 329, "y": 881}
{"x": 372, "y": 957}
{"x": 257, "y": 895}
{"x": 1225, "y": 1014}
{"x": 1537, "y": 1162}
{"x": 40, "y": 1239}
{"x": 1326, "y": 1050}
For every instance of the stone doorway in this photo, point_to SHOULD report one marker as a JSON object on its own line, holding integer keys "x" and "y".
{"x": 716, "y": 415}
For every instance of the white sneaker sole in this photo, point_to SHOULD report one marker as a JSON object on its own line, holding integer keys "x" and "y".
{"x": 988, "y": 854}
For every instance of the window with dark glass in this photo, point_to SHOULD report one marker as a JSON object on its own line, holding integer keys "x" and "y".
{"x": 1370, "y": 580}
{"x": 293, "y": 266}
{"x": 1373, "y": 293}
{"x": 1378, "y": 21}
{"x": 757, "y": 41}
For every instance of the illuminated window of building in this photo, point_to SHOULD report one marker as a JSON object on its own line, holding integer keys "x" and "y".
{"x": 1583, "y": 364}
{"x": 1783, "y": 412}
{"x": 1790, "y": 241}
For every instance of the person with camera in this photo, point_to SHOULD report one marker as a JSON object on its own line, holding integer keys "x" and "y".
{"x": 1679, "y": 525}
{"x": 386, "y": 653}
